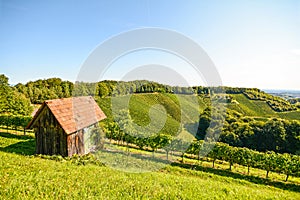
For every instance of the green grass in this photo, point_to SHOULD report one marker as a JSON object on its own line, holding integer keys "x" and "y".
{"x": 251, "y": 107}
{"x": 261, "y": 109}
{"x": 20, "y": 144}
{"x": 132, "y": 159}
{"x": 293, "y": 115}
{"x": 30, "y": 177}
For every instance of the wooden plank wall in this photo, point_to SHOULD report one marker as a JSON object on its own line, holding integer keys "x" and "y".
{"x": 50, "y": 137}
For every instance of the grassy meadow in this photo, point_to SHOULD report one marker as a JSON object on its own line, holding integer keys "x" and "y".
{"x": 25, "y": 176}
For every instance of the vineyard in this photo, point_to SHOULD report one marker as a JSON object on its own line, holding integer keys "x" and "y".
{"x": 270, "y": 161}
{"x": 16, "y": 122}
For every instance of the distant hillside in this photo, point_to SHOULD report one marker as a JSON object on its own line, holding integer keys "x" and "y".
{"x": 246, "y": 123}
{"x": 40, "y": 90}
{"x": 252, "y": 119}
{"x": 286, "y": 94}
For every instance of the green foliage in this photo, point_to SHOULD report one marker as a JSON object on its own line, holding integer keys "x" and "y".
{"x": 102, "y": 90}
{"x": 4, "y": 89}
{"x": 15, "y": 108}
{"x": 139, "y": 108}
{"x": 247, "y": 107}
{"x": 18, "y": 104}
{"x": 272, "y": 134}
{"x": 292, "y": 115}
{"x": 40, "y": 90}
{"x": 11, "y": 101}
{"x": 52, "y": 88}
{"x": 269, "y": 161}
{"x": 204, "y": 122}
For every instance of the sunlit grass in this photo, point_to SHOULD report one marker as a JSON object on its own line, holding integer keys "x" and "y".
{"x": 33, "y": 177}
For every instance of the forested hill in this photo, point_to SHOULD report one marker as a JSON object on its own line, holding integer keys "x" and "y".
{"x": 40, "y": 90}
{"x": 247, "y": 101}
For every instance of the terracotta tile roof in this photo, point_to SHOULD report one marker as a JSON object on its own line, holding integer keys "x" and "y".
{"x": 73, "y": 113}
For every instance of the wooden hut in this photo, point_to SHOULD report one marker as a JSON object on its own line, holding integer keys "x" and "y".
{"x": 61, "y": 125}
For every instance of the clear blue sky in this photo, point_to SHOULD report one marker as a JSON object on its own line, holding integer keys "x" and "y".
{"x": 253, "y": 43}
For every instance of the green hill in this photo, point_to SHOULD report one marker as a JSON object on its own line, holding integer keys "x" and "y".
{"x": 177, "y": 107}
{"x": 191, "y": 105}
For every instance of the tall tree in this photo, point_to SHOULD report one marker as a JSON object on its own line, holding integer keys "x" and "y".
{"x": 4, "y": 90}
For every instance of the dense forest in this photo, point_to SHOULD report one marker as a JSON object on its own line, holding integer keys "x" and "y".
{"x": 235, "y": 128}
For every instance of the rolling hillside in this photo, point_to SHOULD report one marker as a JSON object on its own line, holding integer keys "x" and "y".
{"x": 246, "y": 123}
{"x": 25, "y": 176}
{"x": 139, "y": 105}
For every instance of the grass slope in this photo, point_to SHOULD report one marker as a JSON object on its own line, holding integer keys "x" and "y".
{"x": 29, "y": 177}
{"x": 144, "y": 109}
{"x": 252, "y": 107}
{"x": 260, "y": 109}
{"x": 294, "y": 115}
{"x": 184, "y": 107}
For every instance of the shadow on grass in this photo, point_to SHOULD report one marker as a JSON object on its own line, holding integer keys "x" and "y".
{"x": 22, "y": 148}
{"x": 26, "y": 145}
{"x": 14, "y": 136}
{"x": 254, "y": 179}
